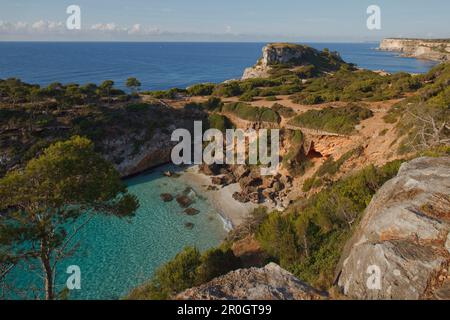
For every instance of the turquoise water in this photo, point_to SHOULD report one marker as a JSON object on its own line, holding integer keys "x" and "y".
{"x": 116, "y": 255}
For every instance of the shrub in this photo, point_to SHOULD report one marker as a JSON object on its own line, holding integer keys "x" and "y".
{"x": 173, "y": 277}
{"x": 213, "y": 104}
{"x": 285, "y": 112}
{"x": 231, "y": 89}
{"x": 202, "y": 89}
{"x": 248, "y": 95}
{"x": 250, "y": 113}
{"x": 219, "y": 122}
{"x": 188, "y": 269}
{"x": 214, "y": 263}
{"x": 340, "y": 120}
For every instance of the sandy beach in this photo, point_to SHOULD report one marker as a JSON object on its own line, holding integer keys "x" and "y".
{"x": 231, "y": 210}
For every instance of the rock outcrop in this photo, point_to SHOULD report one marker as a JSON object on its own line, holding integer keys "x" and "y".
{"x": 438, "y": 50}
{"x": 134, "y": 151}
{"x": 292, "y": 55}
{"x": 402, "y": 247}
{"x": 268, "y": 283}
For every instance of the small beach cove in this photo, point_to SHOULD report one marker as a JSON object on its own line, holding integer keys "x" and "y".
{"x": 117, "y": 255}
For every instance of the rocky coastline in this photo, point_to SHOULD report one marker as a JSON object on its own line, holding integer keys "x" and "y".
{"x": 436, "y": 50}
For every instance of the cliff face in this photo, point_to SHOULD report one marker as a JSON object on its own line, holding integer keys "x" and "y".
{"x": 292, "y": 55}
{"x": 438, "y": 50}
{"x": 130, "y": 157}
{"x": 402, "y": 247}
{"x": 268, "y": 283}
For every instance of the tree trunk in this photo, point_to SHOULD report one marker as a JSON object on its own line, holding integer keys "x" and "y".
{"x": 46, "y": 266}
{"x": 305, "y": 244}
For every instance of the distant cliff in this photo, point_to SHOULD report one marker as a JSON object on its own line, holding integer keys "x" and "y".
{"x": 438, "y": 50}
{"x": 292, "y": 56}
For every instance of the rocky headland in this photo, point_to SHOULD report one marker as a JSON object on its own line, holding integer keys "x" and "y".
{"x": 293, "y": 56}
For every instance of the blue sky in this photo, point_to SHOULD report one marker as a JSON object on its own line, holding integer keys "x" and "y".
{"x": 209, "y": 20}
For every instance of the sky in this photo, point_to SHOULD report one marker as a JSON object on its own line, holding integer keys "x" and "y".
{"x": 214, "y": 20}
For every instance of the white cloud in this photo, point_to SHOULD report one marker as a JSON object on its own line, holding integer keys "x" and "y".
{"x": 105, "y": 27}
{"x": 49, "y": 28}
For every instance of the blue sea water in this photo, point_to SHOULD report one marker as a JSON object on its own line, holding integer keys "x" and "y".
{"x": 117, "y": 255}
{"x": 164, "y": 65}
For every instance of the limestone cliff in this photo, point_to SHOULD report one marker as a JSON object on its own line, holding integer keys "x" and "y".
{"x": 438, "y": 50}
{"x": 292, "y": 55}
{"x": 268, "y": 283}
{"x": 402, "y": 247}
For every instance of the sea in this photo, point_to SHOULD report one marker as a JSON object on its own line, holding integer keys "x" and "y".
{"x": 161, "y": 66}
{"x": 116, "y": 255}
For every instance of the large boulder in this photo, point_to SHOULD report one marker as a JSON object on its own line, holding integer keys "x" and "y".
{"x": 402, "y": 247}
{"x": 268, "y": 283}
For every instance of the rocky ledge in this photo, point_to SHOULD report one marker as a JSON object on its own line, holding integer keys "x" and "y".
{"x": 268, "y": 283}
{"x": 438, "y": 50}
{"x": 402, "y": 247}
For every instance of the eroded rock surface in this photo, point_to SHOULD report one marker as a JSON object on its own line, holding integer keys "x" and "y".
{"x": 401, "y": 249}
{"x": 438, "y": 50}
{"x": 268, "y": 283}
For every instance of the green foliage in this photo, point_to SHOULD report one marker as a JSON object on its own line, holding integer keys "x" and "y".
{"x": 188, "y": 269}
{"x": 14, "y": 91}
{"x": 331, "y": 167}
{"x": 202, "y": 89}
{"x": 166, "y": 94}
{"x": 249, "y": 95}
{"x": 285, "y": 112}
{"x": 310, "y": 183}
{"x": 215, "y": 263}
{"x": 295, "y": 161}
{"x": 308, "y": 239}
{"x": 340, "y": 120}
{"x": 219, "y": 122}
{"x": 250, "y": 113}
{"x": 213, "y": 104}
{"x": 230, "y": 89}
{"x": 133, "y": 84}
{"x": 349, "y": 85}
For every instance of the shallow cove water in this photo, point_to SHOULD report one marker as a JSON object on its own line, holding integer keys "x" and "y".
{"x": 117, "y": 255}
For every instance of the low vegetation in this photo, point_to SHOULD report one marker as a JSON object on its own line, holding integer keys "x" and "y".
{"x": 350, "y": 86}
{"x": 333, "y": 119}
{"x": 250, "y": 113}
{"x": 188, "y": 269}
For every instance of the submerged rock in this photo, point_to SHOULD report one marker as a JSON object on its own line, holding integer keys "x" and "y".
{"x": 189, "y": 225}
{"x": 400, "y": 250}
{"x": 166, "y": 197}
{"x": 191, "y": 211}
{"x": 184, "y": 201}
{"x": 268, "y": 283}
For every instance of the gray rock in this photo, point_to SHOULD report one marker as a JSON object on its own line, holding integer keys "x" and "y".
{"x": 268, "y": 283}
{"x": 403, "y": 236}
